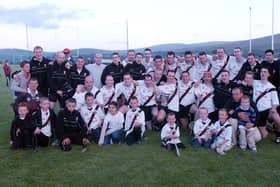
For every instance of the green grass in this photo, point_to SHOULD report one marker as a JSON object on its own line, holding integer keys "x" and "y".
{"x": 138, "y": 165}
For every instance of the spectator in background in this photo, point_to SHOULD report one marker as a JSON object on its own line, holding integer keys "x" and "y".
{"x": 7, "y": 71}
{"x": 96, "y": 69}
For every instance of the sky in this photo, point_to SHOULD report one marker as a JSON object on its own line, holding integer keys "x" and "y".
{"x": 101, "y": 24}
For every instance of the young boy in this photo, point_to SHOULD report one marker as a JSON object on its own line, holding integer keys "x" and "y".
{"x": 134, "y": 123}
{"x": 22, "y": 128}
{"x": 202, "y": 133}
{"x": 44, "y": 119}
{"x": 170, "y": 133}
{"x": 70, "y": 127}
{"x": 246, "y": 127}
{"x": 93, "y": 117}
{"x": 223, "y": 133}
{"x": 80, "y": 96}
{"x": 113, "y": 122}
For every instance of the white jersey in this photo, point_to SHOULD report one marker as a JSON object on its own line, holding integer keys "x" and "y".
{"x": 269, "y": 99}
{"x": 169, "y": 129}
{"x": 140, "y": 118}
{"x": 88, "y": 112}
{"x": 145, "y": 93}
{"x": 148, "y": 64}
{"x": 46, "y": 130}
{"x": 96, "y": 94}
{"x": 115, "y": 121}
{"x": 217, "y": 66}
{"x": 200, "y": 69}
{"x": 200, "y": 126}
{"x": 80, "y": 100}
{"x": 189, "y": 67}
{"x": 226, "y": 132}
{"x": 108, "y": 95}
{"x": 127, "y": 91}
{"x": 234, "y": 66}
{"x": 202, "y": 91}
{"x": 189, "y": 98}
{"x": 166, "y": 92}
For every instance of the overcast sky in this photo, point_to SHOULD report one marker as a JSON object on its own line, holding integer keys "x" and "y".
{"x": 101, "y": 24}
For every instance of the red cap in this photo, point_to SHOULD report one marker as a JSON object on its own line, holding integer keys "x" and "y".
{"x": 66, "y": 51}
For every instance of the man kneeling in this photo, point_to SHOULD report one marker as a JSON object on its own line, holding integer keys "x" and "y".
{"x": 70, "y": 127}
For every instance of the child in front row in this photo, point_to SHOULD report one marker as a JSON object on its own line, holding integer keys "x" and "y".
{"x": 134, "y": 123}
{"x": 170, "y": 133}
{"x": 22, "y": 128}
{"x": 44, "y": 119}
{"x": 222, "y": 132}
{"x": 246, "y": 127}
{"x": 201, "y": 130}
{"x": 114, "y": 120}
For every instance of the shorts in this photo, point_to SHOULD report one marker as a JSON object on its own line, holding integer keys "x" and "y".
{"x": 148, "y": 112}
{"x": 184, "y": 111}
{"x": 263, "y": 116}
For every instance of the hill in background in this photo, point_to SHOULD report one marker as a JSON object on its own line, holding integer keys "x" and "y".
{"x": 259, "y": 45}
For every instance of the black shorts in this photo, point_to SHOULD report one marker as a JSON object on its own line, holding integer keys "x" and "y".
{"x": 148, "y": 112}
{"x": 184, "y": 111}
{"x": 263, "y": 116}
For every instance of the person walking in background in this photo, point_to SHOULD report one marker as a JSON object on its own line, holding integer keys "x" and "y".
{"x": 7, "y": 70}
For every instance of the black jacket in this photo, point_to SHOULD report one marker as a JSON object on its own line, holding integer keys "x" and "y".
{"x": 37, "y": 118}
{"x": 78, "y": 78}
{"x": 58, "y": 76}
{"x": 26, "y": 124}
{"x": 247, "y": 67}
{"x": 70, "y": 123}
{"x": 222, "y": 92}
{"x": 115, "y": 70}
{"x": 39, "y": 70}
{"x": 136, "y": 70}
{"x": 32, "y": 101}
{"x": 274, "y": 72}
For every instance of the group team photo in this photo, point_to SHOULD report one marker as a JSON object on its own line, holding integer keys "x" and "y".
{"x": 221, "y": 100}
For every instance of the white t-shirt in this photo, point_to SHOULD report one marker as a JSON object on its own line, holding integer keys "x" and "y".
{"x": 166, "y": 92}
{"x": 130, "y": 116}
{"x": 46, "y": 130}
{"x": 269, "y": 99}
{"x": 169, "y": 129}
{"x": 115, "y": 121}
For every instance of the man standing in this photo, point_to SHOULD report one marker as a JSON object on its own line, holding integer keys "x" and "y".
{"x": 59, "y": 80}
{"x": 39, "y": 69}
{"x": 136, "y": 69}
{"x": 96, "y": 70}
{"x": 115, "y": 69}
{"x": 235, "y": 63}
{"x": 148, "y": 60}
{"x": 273, "y": 67}
{"x": 251, "y": 65}
{"x": 130, "y": 57}
{"x": 78, "y": 73}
